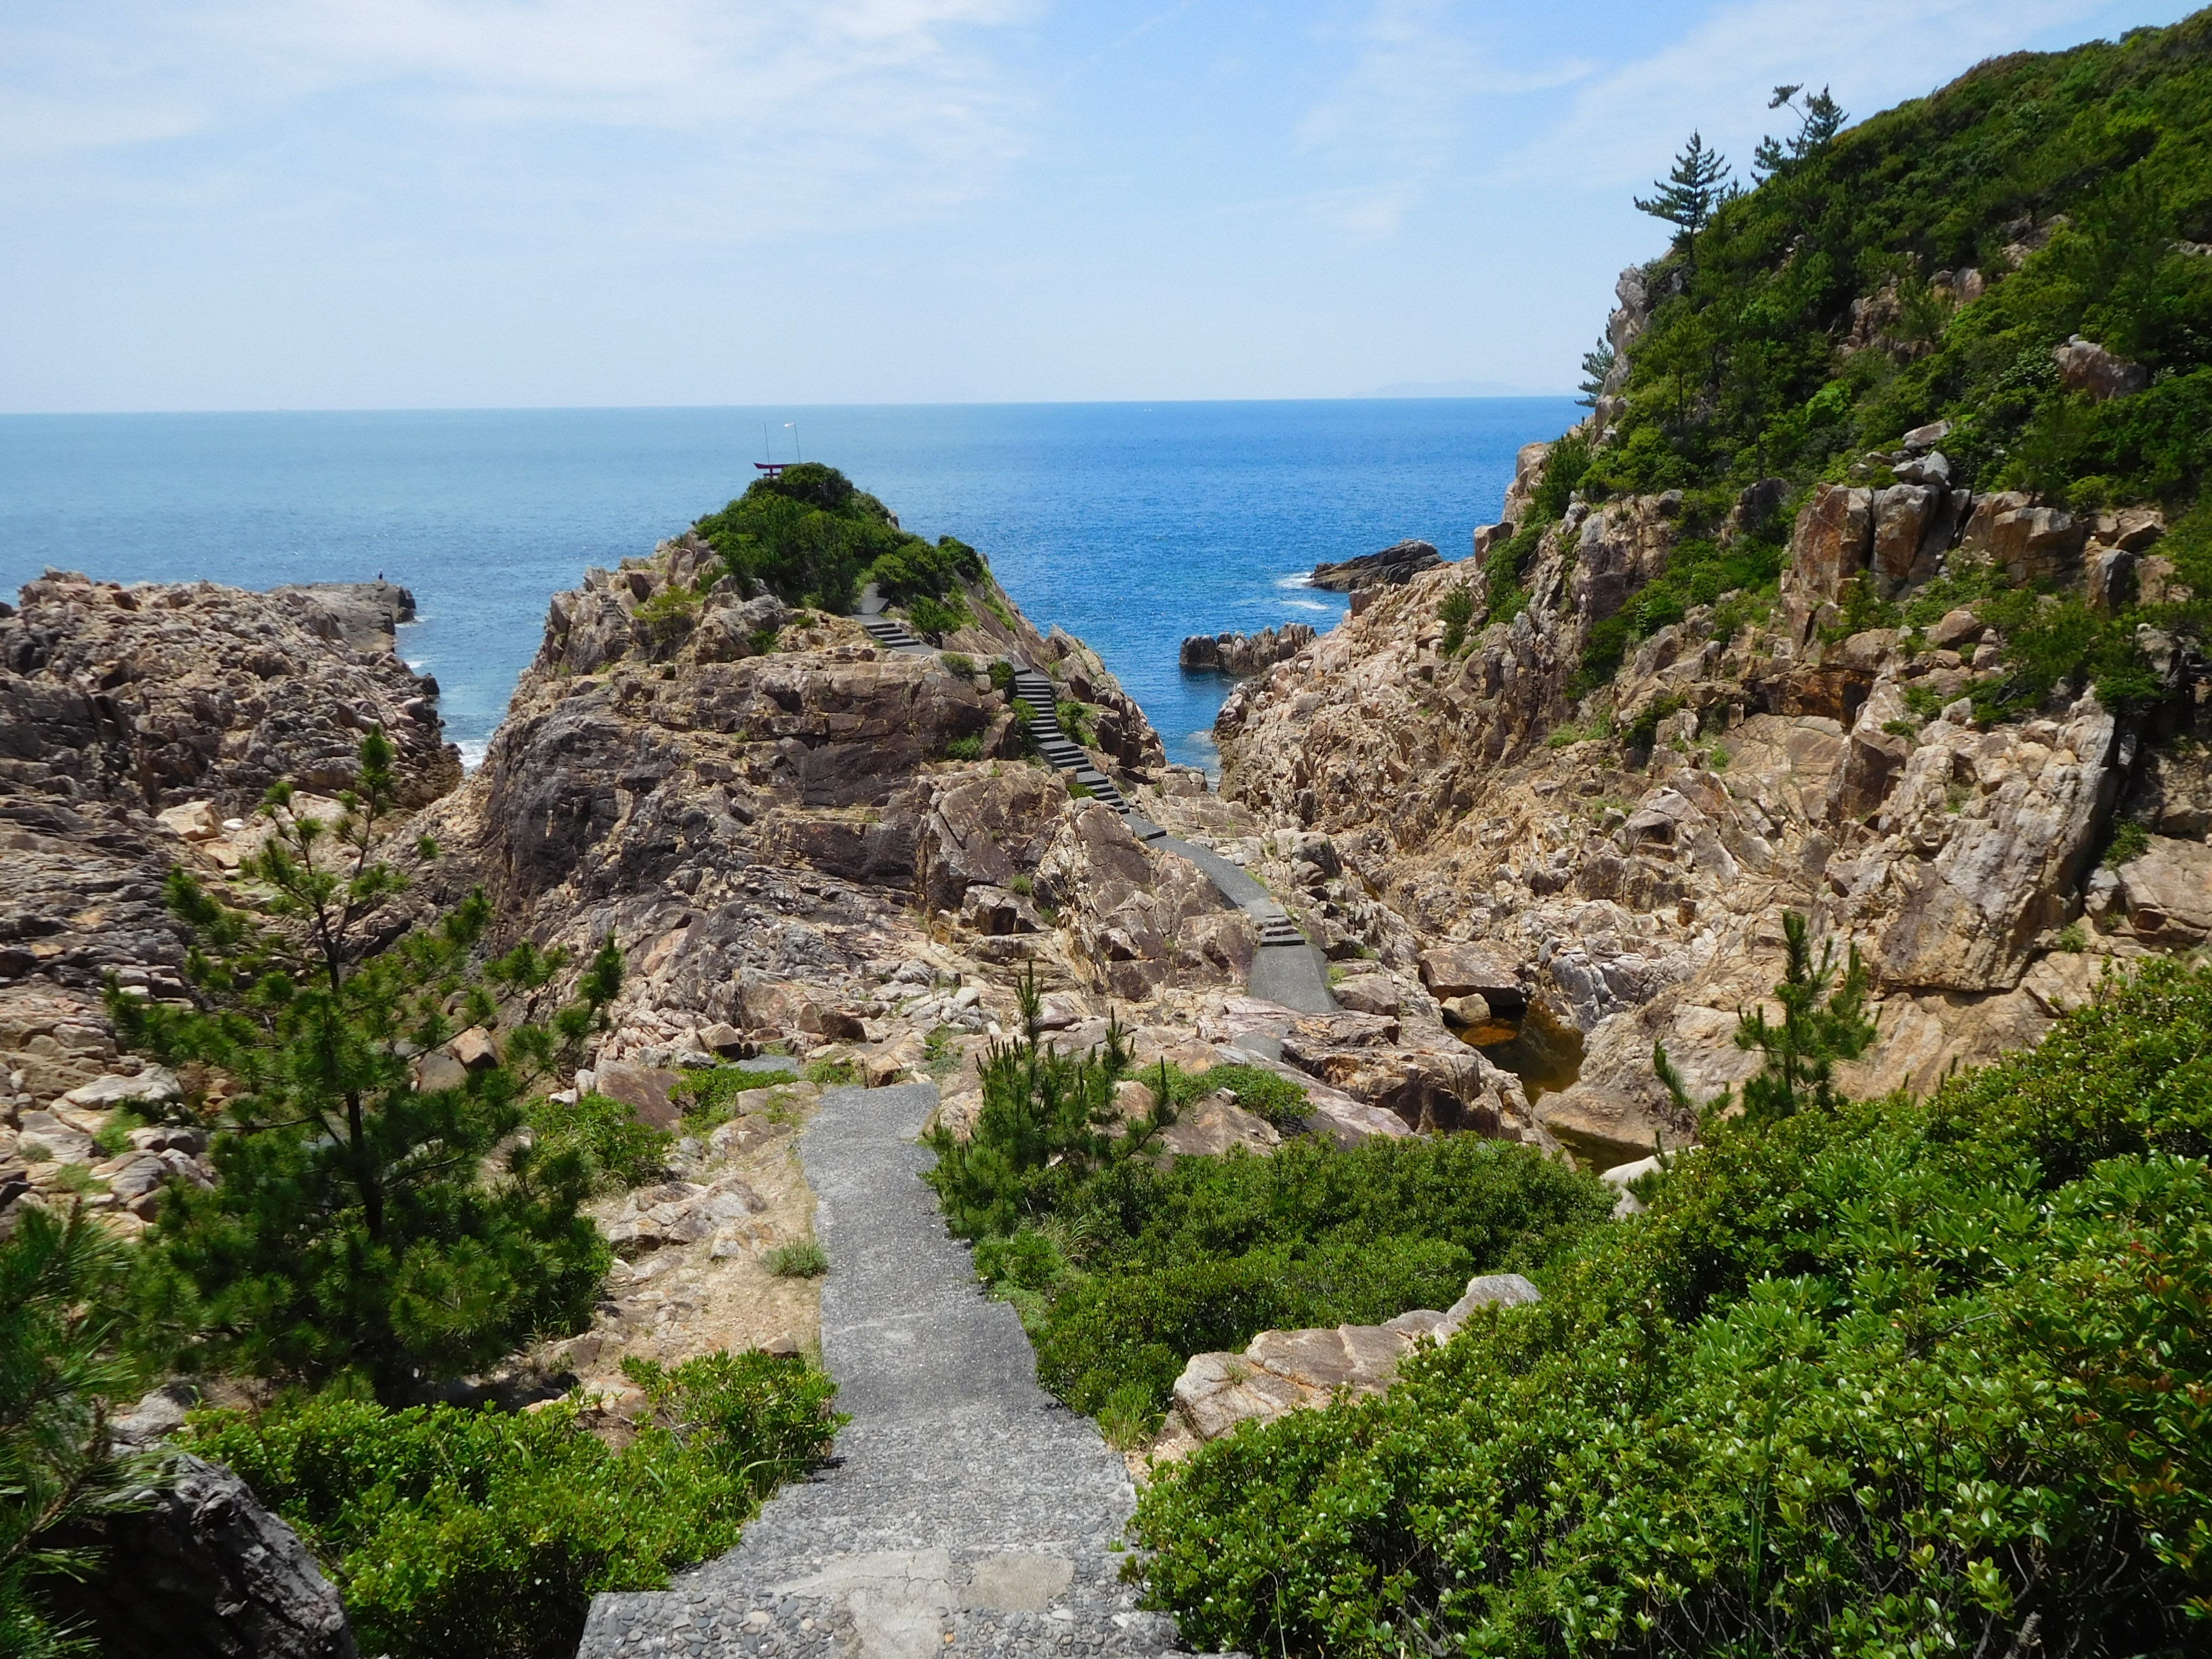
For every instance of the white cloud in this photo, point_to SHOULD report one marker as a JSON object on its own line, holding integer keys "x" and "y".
{"x": 799, "y": 109}
{"x": 1399, "y": 111}
{"x": 1625, "y": 124}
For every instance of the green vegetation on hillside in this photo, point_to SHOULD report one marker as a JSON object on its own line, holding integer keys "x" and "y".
{"x": 1123, "y": 1263}
{"x": 1739, "y": 377}
{"x": 1889, "y": 1378}
{"x": 809, "y": 538}
{"x": 1924, "y": 265}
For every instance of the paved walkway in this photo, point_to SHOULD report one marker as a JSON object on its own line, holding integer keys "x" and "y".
{"x": 968, "y": 1513}
{"x": 1287, "y": 969}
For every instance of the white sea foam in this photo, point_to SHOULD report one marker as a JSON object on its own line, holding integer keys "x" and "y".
{"x": 1309, "y": 605}
{"x": 472, "y": 754}
{"x": 1298, "y": 579}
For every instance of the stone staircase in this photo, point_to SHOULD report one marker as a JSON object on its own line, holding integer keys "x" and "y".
{"x": 1036, "y": 693}
{"x": 966, "y": 1511}
{"x": 891, "y": 634}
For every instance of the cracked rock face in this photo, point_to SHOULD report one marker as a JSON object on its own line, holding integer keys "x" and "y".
{"x": 1636, "y": 897}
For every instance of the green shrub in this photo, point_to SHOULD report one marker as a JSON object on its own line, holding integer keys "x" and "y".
{"x": 1502, "y": 570}
{"x": 2131, "y": 840}
{"x": 1002, "y": 677}
{"x": 620, "y": 1150}
{"x": 934, "y": 619}
{"x": 803, "y": 1259}
{"x": 1456, "y": 612}
{"x": 964, "y": 749}
{"x": 453, "y": 1531}
{"x": 1879, "y": 1377}
{"x": 1564, "y": 468}
{"x": 114, "y": 1137}
{"x": 956, "y": 663}
{"x": 1123, "y": 1268}
{"x": 833, "y": 1073}
{"x": 809, "y": 538}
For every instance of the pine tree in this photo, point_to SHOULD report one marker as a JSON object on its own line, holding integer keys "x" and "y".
{"x": 1597, "y": 363}
{"x": 362, "y": 1225}
{"x": 1687, "y": 197}
{"x": 1819, "y": 1028}
{"x": 62, "y": 1366}
{"x": 1820, "y": 118}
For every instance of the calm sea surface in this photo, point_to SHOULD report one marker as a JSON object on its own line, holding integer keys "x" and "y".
{"x": 1131, "y": 525}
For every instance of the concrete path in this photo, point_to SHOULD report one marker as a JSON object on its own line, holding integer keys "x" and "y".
{"x": 1287, "y": 969}
{"x": 968, "y": 1511}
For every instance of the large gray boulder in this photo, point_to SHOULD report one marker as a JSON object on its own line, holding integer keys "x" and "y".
{"x": 203, "y": 1571}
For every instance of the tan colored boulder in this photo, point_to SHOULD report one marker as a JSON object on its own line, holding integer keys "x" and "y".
{"x": 2168, "y": 891}
{"x": 1459, "y": 971}
{"x": 1369, "y": 994}
{"x": 1208, "y": 1127}
{"x": 644, "y": 1089}
{"x": 2031, "y": 542}
{"x": 475, "y": 1049}
{"x": 1283, "y": 1371}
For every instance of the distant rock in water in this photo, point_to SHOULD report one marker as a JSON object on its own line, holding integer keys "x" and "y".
{"x": 1391, "y": 566}
{"x": 1246, "y": 653}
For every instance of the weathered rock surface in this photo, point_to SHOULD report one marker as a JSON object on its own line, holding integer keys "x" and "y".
{"x": 1631, "y": 895}
{"x": 1388, "y": 568}
{"x": 204, "y": 1571}
{"x": 1282, "y": 1372}
{"x": 139, "y": 727}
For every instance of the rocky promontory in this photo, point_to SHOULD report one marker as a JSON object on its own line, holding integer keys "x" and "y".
{"x": 1389, "y": 568}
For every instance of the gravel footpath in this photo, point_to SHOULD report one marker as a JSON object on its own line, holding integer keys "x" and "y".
{"x": 968, "y": 1511}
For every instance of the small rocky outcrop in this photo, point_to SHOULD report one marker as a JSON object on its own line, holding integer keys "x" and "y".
{"x": 1244, "y": 653}
{"x": 1282, "y": 1372}
{"x": 139, "y": 727}
{"x": 1389, "y": 568}
{"x": 2086, "y": 367}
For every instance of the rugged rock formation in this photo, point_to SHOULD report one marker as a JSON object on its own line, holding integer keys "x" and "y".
{"x": 139, "y": 726}
{"x": 1634, "y": 883}
{"x": 1245, "y": 653}
{"x": 1391, "y": 566}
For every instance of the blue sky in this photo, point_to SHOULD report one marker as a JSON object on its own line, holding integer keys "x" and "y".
{"x": 402, "y": 204}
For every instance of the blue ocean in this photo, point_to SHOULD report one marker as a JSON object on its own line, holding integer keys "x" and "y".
{"x": 1131, "y": 524}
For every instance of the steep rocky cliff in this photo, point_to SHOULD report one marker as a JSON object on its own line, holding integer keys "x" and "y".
{"x": 1877, "y": 602}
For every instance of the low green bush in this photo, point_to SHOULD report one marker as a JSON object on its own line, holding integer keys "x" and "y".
{"x": 964, "y": 749}
{"x": 809, "y": 537}
{"x": 620, "y": 1151}
{"x": 480, "y": 1533}
{"x": 1885, "y": 1377}
{"x": 1122, "y": 1265}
